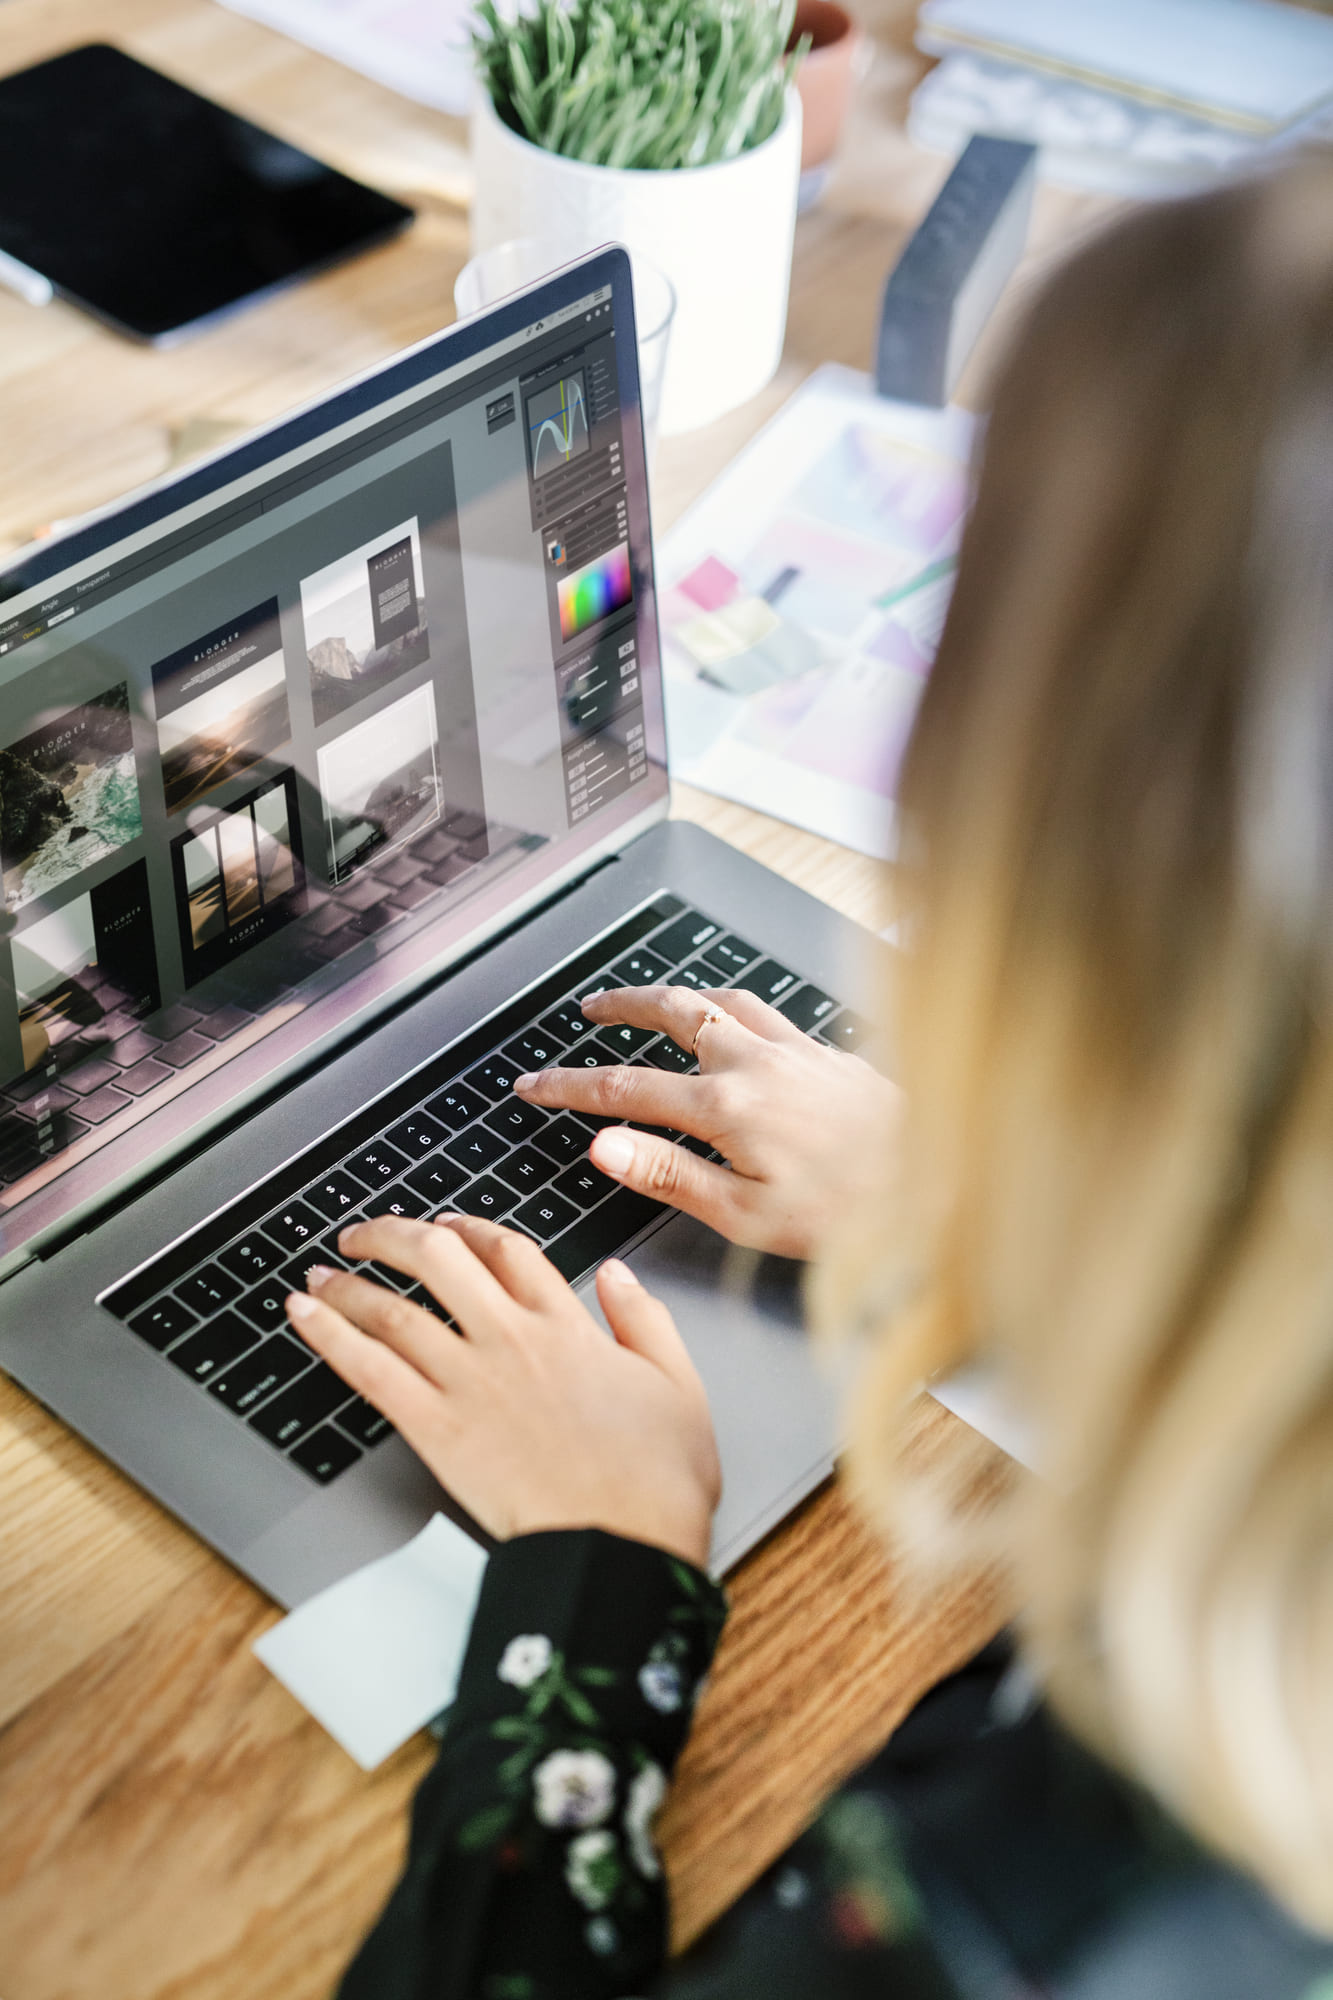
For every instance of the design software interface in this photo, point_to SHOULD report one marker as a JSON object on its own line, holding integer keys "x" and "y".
{"x": 338, "y": 696}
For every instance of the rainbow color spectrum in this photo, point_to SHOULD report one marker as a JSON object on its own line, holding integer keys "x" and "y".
{"x": 595, "y": 591}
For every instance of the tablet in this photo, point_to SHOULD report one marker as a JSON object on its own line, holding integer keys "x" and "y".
{"x": 156, "y": 209}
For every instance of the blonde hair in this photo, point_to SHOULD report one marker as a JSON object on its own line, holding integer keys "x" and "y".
{"x": 1115, "y": 1023}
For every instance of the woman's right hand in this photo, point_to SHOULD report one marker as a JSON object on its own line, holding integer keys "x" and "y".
{"x": 802, "y": 1126}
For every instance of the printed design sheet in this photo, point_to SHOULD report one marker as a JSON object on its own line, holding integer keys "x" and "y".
{"x": 802, "y": 599}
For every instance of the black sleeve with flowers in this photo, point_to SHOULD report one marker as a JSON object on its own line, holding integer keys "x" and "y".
{"x": 532, "y": 1873}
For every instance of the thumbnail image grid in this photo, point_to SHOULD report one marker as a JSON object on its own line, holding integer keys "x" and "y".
{"x": 68, "y": 796}
{"x": 381, "y": 781}
{"x": 365, "y": 620}
{"x": 221, "y": 705}
{"x": 238, "y": 877}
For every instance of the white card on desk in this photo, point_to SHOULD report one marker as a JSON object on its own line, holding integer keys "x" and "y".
{"x": 376, "y": 1657}
{"x": 1246, "y": 63}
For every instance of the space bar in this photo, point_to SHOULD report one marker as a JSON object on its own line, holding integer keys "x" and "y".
{"x": 602, "y": 1231}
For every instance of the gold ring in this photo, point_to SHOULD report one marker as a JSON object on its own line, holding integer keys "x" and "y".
{"x": 710, "y": 1014}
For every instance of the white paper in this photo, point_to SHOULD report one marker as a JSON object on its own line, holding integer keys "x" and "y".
{"x": 376, "y": 1657}
{"x": 417, "y": 47}
{"x": 1245, "y": 62}
{"x": 801, "y": 600}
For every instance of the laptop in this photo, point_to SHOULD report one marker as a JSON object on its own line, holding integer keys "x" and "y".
{"x": 332, "y": 776}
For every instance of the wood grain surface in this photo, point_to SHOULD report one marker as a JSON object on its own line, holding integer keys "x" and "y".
{"x": 172, "y": 1825}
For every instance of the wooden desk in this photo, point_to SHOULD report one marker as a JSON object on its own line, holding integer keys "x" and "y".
{"x": 171, "y": 1823}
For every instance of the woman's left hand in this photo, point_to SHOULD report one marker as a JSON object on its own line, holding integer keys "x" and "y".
{"x": 528, "y": 1414}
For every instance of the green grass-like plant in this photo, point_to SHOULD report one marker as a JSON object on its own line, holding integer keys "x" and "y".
{"x": 639, "y": 83}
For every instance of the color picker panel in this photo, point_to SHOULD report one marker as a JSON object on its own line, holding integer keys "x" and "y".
{"x": 594, "y": 592}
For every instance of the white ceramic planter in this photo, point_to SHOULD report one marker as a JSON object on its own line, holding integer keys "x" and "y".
{"x": 722, "y": 234}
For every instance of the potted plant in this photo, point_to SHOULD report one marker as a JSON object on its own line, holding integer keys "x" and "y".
{"x": 671, "y": 126}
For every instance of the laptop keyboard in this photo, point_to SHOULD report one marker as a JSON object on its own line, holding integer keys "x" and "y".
{"x": 451, "y": 1137}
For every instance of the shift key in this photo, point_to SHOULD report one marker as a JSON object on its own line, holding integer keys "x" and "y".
{"x": 298, "y": 1409}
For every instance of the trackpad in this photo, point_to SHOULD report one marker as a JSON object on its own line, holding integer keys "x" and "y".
{"x": 775, "y": 1408}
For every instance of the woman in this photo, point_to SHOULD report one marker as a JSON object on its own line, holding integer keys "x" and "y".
{"x": 1115, "y": 1034}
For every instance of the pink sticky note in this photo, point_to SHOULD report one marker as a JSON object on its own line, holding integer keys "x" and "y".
{"x": 711, "y": 584}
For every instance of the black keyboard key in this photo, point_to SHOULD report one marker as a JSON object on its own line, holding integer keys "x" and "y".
{"x": 337, "y": 1194}
{"x": 845, "y": 1030}
{"x": 477, "y": 1148}
{"x": 807, "y": 1007}
{"x": 325, "y": 1454}
{"x": 377, "y": 1164}
{"x": 640, "y": 968}
{"x": 583, "y": 1184}
{"x": 264, "y": 1306}
{"x": 700, "y": 976}
{"x": 624, "y": 1041}
{"x": 400, "y": 1199}
{"x": 545, "y": 1215}
{"x": 214, "y": 1346}
{"x": 686, "y": 936}
{"x": 207, "y": 1290}
{"x": 251, "y": 1381}
{"x": 456, "y": 1107}
{"x": 293, "y": 1226}
{"x": 669, "y": 1055}
{"x": 362, "y": 1421}
{"x": 590, "y": 1055}
{"x": 602, "y": 1232}
{"x": 568, "y": 1021}
{"x": 515, "y": 1120}
{"x": 311, "y": 1398}
{"x": 605, "y": 982}
{"x": 768, "y": 979}
{"x": 253, "y": 1257}
{"x": 488, "y": 1197}
{"x": 730, "y": 954}
{"x": 164, "y": 1322}
{"x": 564, "y": 1140}
{"x": 525, "y": 1170}
{"x": 493, "y": 1078}
{"x": 435, "y": 1180}
{"x": 292, "y": 1277}
{"x": 417, "y": 1135}
{"x": 535, "y": 1049}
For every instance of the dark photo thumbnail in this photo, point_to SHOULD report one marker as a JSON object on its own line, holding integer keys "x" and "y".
{"x": 381, "y": 781}
{"x": 238, "y": 876}
{"x": 221, "y": 705}
{"x": 87, "y": 966}
{"x": 365, "y": 620}
{"x": 68, "y": 796}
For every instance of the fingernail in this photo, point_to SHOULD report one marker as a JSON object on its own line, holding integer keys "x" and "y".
{"x": 613, "y": 1152}
{"x": 345, "y": 1241}
{"x": 317, "y": 1275}
{"x": 525, "y": 1082}
{"x": 299, "y": 1306}
{"x": 619, "y": 1274}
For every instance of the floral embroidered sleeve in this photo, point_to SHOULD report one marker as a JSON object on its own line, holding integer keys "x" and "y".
{"x": 532, "y": 1873}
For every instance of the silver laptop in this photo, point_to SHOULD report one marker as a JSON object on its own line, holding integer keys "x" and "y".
{"x": 332, "y": 775}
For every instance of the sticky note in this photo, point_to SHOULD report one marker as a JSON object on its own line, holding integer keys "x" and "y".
{"x": 375, "y": 1657}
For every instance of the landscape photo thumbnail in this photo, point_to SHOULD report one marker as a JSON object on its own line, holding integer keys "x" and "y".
{"x": 221, "y": 705}
{"x": 68, "y": 796}
{"x": 365, "y": 620}
{"x": 381, "y": 781}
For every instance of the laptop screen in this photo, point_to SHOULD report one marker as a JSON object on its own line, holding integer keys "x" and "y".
{"x": 297, "y": 729}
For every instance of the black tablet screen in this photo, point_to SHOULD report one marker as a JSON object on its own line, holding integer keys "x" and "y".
{"x": 155, "y": 208}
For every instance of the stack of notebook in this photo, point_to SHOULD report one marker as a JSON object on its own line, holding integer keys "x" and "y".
{"x": 1128, "y": 96}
